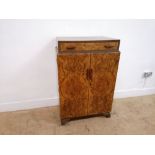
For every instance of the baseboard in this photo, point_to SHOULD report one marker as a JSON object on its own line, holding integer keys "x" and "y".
{"x": 46, "y": 102}
{"x": 133, "y": 92}
{"x": 28, "y": 104}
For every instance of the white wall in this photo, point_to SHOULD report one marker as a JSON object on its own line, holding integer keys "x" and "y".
{"x": 28, "y": 71}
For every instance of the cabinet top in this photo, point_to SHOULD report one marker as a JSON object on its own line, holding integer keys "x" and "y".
{"x": 88, "y": 38}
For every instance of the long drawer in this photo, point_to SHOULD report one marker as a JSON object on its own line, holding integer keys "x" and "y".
{"x": 88, "y": 46}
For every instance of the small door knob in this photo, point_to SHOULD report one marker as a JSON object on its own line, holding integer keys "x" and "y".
{"x": 89, "y": 74}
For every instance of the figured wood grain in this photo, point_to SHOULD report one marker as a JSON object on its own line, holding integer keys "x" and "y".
{"x": 104, "y": 68}
{"x": 87, "y": 73}
{"x": 88, "y": 46}
{"x": 73, "y": 84}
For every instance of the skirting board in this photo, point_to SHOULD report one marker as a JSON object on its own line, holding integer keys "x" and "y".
{"x": 46, "y": 102}
{"x": 28, "y": 104}
{"x": 133, "y": 92}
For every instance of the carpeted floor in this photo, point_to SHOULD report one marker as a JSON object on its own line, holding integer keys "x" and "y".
{"x": 129, "y": 116}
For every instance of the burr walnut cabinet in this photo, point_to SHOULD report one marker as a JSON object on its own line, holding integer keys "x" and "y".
{"x": 87, "y": 69}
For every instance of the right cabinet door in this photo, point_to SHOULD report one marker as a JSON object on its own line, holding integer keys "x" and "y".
{"x": 104, "y": 70}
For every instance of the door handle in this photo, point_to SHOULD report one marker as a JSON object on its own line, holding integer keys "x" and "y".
{"x": 89, "y": 74}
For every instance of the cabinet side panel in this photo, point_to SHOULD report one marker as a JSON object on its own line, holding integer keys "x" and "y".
{"x": 73, "y": 84}
{"x": 104, "y": 68}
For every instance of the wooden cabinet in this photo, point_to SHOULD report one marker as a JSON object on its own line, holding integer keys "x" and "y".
{"x": 87, "y": 69}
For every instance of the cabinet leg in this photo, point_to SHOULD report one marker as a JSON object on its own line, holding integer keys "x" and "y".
{"x": 107, "y": 114}
{"x": 64, "y": 121}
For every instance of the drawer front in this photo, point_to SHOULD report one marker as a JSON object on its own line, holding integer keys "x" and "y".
{"x": 88, "y": 46}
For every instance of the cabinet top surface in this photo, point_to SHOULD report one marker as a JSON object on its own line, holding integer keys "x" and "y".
{"x": 88, "y": 38}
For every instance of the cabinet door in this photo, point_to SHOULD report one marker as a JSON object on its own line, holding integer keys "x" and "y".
{"x": 104, "y": 70}
{"x": 73, "y": 84}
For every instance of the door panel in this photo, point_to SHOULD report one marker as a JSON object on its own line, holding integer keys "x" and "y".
{"x": 73, "y": 84}
{"x": 104, "y": 67}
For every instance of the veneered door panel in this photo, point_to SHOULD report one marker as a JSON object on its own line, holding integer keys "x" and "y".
{"x": 73, "y": 84}
{"x": 104, "y": 71}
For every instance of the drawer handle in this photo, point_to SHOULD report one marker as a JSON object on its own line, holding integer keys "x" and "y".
{"x": 71, "y": 47}
{"x": 108, "y": 46}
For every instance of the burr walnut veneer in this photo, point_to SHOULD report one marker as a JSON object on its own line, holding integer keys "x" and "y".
{"x": 87, "y": 69}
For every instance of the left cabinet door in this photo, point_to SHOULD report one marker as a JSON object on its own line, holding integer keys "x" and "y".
{"x": 73, "y": 84}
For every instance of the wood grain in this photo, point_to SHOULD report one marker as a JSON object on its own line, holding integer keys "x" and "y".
{"x": 87, "y": 74}
{"x": 104, "y": 68}
{"x": 87, "y": 46}
{"x": 73, "y": 84}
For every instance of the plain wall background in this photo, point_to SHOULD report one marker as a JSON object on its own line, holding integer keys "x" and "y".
{"x": 28, "y": 69}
